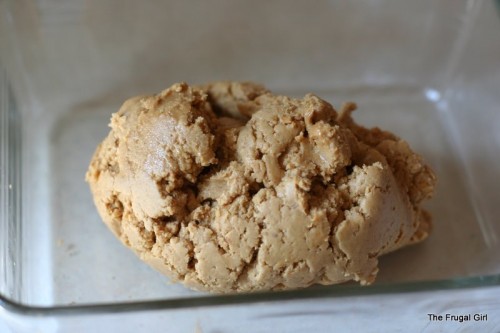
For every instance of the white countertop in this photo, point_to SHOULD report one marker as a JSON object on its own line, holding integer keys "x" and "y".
{"x": 463, "y": 310}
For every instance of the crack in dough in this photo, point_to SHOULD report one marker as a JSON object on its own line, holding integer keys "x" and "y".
{"x": 229, "y": 188}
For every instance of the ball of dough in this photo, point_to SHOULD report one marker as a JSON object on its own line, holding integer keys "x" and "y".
{"x": 226, "y": 187}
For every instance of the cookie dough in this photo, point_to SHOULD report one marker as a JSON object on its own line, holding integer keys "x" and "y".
{"x": 227, "y": 187}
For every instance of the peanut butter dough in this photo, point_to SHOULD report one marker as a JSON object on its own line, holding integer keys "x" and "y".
{"x": 227, "y": 187}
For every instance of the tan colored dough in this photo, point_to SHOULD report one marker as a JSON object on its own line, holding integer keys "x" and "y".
{"x": 227, "y": 187}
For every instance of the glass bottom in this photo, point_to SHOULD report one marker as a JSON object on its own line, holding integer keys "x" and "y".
{"x": 79, "y": 261}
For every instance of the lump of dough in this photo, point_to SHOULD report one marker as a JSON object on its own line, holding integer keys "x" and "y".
{"x": 226, "y": 187}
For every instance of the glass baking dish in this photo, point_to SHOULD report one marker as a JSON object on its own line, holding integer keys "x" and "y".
{"x": 427, "y": 70}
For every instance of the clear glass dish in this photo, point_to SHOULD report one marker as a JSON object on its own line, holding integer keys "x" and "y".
{"x": 427, "y": 70}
